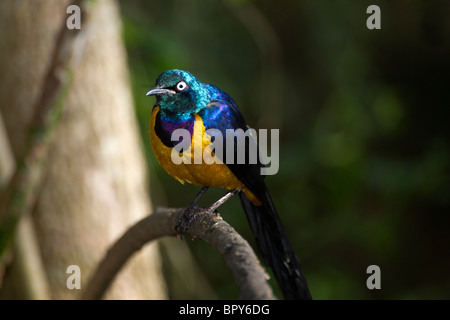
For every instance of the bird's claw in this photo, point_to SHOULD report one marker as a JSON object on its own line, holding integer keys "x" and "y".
{"x": 189, "y": 215}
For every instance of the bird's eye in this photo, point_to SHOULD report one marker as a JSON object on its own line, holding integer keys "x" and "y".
{"x": 181, "y": 86}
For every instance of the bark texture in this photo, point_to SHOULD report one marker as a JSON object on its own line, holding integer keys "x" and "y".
{"x": 96, "y": 184}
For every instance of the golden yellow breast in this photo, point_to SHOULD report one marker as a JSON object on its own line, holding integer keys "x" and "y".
{"x": 210, "y": 175}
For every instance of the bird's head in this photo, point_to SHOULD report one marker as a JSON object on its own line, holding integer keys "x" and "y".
{"x": 179, "y": 93}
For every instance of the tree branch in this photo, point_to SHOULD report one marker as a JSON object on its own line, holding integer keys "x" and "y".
{"x": 210, "y": 227}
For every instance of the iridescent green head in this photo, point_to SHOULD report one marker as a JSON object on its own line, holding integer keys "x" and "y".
{"x": 179, "y": 93}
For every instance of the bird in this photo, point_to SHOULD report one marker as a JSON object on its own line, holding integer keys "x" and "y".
{"x": 184, "y": 102}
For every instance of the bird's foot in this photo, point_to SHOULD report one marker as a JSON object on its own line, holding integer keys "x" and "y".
{"x": 189, "y": 215}
{"x": 191, "y": 212}
{"x": 194, "y": 210}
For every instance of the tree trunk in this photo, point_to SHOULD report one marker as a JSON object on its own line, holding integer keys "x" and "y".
{"x": 95, "y": 185}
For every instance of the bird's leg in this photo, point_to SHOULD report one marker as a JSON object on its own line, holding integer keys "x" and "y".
{"x": 222, "y": 200}
{"x": 193, "y": 210}
{"x": 198, "y": 196}
{"x": 190, "y": 213}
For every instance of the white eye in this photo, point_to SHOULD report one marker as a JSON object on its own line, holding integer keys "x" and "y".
{"x": 181, "y": 86}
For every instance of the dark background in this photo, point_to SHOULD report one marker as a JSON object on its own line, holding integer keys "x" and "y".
{"x": 364, "y": 129}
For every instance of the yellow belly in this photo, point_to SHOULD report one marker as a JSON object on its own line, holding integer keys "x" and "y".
{"x": 210, "y": 175}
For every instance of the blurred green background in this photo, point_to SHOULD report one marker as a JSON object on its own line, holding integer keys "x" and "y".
{"x": 364, "y": 130}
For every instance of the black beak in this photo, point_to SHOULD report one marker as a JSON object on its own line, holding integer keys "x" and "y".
{"x": 158, "y": 91}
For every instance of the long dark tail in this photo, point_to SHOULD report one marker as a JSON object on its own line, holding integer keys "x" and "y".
{"x": 275, "y": 248}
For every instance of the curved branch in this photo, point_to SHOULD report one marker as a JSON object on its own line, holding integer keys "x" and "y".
{"x": 238, "y": 255}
